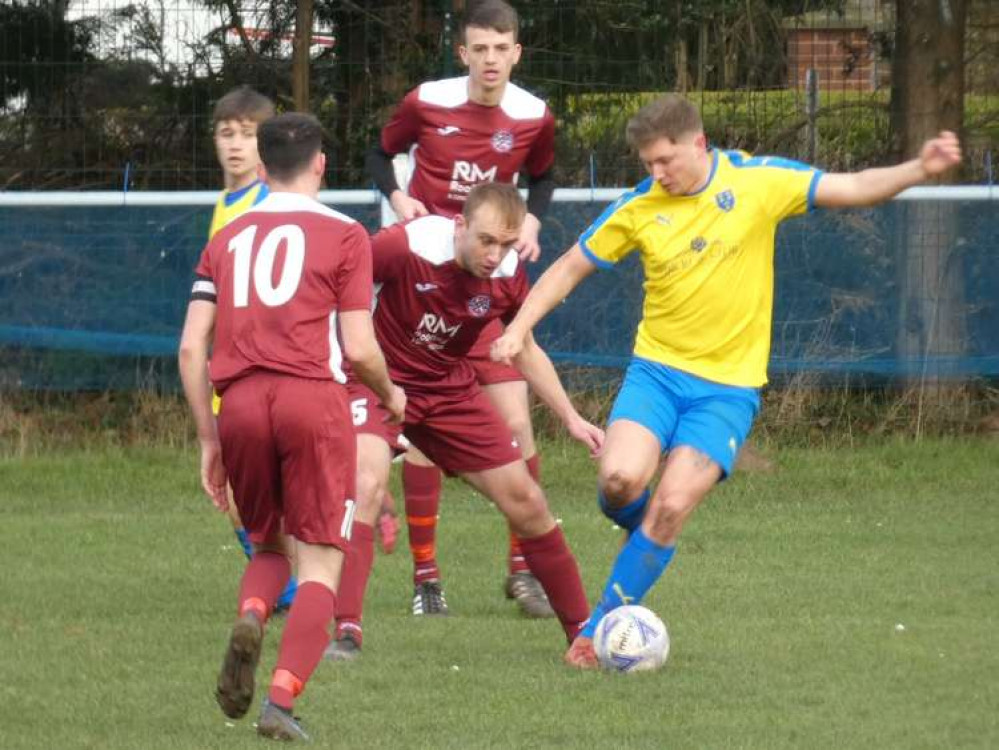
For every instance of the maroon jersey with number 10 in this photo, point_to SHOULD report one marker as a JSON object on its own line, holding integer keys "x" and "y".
{"x": 457, "y": 143}
{"x": 279, "y": 274}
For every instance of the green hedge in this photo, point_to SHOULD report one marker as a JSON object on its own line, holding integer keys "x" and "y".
{"x": 853, "y": 128}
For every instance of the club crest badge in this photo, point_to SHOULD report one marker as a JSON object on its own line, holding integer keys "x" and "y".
{"x": 502, "y": 141}
{"x": 698, "y": 243}
{"x": 479, "y": 305}
{"x": 725, "y": 200}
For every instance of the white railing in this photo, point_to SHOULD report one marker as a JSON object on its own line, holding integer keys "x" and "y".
{"x": 372, "y": 197}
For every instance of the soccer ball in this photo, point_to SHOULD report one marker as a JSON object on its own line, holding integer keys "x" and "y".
{"x": 631, "y": 639}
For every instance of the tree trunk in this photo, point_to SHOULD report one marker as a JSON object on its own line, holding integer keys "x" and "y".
{"x": 300, "y": 56}
{"x": 927, "y": 97}
{"x": 682, "y": 71}
{"x": 702, "y": 56}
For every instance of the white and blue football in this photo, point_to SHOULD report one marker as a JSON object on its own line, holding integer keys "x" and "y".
{"x": 631, "y": 639}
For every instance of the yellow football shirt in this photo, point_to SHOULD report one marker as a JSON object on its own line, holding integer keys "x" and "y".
{"x": 235, "y": 203}
{"x": 228, "y": 207}
{"x": 708, "y": 261}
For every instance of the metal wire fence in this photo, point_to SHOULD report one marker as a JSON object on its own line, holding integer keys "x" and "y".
{"x": 110, "y": 94}
{"x": 93, "y": 289}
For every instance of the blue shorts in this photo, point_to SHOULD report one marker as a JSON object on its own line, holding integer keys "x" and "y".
{"x": 683, "y": 409}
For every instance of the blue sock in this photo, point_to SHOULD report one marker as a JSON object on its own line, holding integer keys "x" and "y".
{"x": 288, "y": 595}
{"x": 638, "y": 566}
{"x": 244, "y": 542}
{"x": 628, "y": 516}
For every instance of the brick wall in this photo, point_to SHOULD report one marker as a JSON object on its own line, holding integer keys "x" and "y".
{"x": 844, "y": 59}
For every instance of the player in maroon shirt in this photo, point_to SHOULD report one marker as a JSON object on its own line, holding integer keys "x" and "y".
{"x": 461, "y": 132}
{"x": 442, "y": 281}
{"x": 273, "y": 288}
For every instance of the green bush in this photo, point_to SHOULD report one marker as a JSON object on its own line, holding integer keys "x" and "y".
{"x": 854, "y": 129}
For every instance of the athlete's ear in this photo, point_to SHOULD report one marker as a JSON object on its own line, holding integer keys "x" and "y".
{"x": 261, "y": 172}
{"x": 701, "y": 141}
{"x": 463, "y": 54}
{"x": 319, "y": 164}
{"x": 517, "y": 49}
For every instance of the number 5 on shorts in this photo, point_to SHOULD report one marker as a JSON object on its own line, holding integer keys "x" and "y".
{"x": 359, "y": 411}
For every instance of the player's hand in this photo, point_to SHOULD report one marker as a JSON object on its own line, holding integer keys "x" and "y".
{"x": 527, "y": 245}
{"x": 588, "y": 434}
{"x": 396, "y": 405}
{"x": 506, "y": 348}
{"x": 213, "y": 476}
{"x": 405, "y": 207}
{"x": 940, "y": 154}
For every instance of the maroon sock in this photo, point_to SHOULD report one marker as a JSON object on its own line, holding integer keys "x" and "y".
{"x": 305, "y": 637}
{"x": 354, "y": 578}
{"x": 264, "y": 579}
{"x": 553, "y": 565}
{"x": 422, "y": 488}
{"x": 515, "y": 559}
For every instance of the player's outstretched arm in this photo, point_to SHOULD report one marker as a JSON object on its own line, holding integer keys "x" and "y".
{"x": 365, "y": 356}
{"x": 555, "y": 284}
{"x": 541, "y": 375}
{"x": 192, "y": 361}
{"x": 873, "y": 186}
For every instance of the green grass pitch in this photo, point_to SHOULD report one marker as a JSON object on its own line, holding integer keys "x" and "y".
{"x": 848, "y": 600}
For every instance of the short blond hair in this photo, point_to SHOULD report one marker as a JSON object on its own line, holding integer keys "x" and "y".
{"x": 502, "y": 196}
{"x": 670, "y": 116}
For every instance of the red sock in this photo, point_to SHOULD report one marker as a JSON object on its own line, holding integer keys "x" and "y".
{"x": 264, "y": 579}
{"x": 422, "y": 488}
{"x": 515, "y": 560}
{"x": 553, "y": 565}
{"x": 354, "y": 578}
{"x": 303, "y": 642}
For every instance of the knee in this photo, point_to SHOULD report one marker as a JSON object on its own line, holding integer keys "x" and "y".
{"x": 667, "y": 514}
{"x": 531, "y": 497}
{"x": 370, "y": 489}
{"x": 520, "y": 425}
{"x": 526, "y": 501}
{"x": 619, "y": 486}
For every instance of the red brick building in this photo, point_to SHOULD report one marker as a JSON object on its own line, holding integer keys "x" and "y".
{"x": 840, "y": 48}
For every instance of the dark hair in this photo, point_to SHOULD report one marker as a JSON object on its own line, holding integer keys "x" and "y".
{"x": 490, "y": 14}
{"x": 287, "y": 143}
{"x": 504, "y": 197}
{"x": 243, "y": 103}
{"x": 670, "y": 116}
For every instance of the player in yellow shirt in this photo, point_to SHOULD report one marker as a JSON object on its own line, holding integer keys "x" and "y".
{"x": 235, "y": 120}
{"x": 704, "y": 223}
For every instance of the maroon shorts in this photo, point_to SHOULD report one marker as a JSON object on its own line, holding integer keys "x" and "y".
{"x": 460, "y": 432}
{"x": 488, "y": 372}
{"x": 290, "y": 452}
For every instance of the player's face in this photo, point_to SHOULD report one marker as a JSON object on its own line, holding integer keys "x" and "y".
{"x": 236, "y": 148}
{"x": 483, "y": 242}
{"x": 490, "y": 56}
{"x": 680, "y": 166}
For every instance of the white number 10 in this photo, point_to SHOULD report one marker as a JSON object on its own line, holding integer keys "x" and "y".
{"x": 263, "y": 266}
